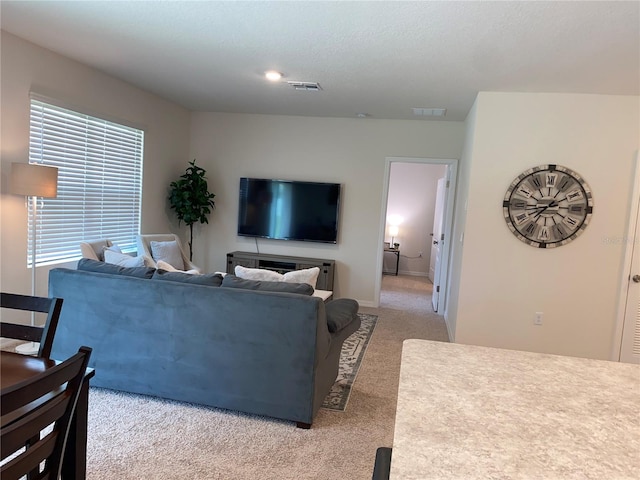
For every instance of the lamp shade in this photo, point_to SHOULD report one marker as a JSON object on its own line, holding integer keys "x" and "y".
{"x": 393, "y": 230}
{"x": 34, "y": 180}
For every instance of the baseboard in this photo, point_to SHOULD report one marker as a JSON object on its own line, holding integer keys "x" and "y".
{"x": 452, "y": 337}
{"x": 367, "y": 303}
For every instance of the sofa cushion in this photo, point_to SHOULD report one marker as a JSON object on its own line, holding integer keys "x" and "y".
{"x": 89, "y": 265}
{"x": 340, "y": 313}
{"x": 209, "y": 279}
{"x": 231, "y": 281}
{"x": 307, "y": 275}
{"x": 167, "y": 252}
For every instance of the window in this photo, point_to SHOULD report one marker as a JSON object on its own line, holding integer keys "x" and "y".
{"x": 99, "y": 181}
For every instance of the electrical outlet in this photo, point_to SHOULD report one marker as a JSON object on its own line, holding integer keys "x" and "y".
{"x": 537, "y": 320}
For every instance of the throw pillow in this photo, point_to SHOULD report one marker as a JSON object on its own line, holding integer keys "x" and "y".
{"x": 113, "y": 248}
{"x": 210, "y": 279}
{"x": 340, "y": 313}
{"x": 308, "y": 275}
{"x": 124, "y": 260}
{"x": 167, "y": 252}
{"x": 258, "y": 274}
{"x": 169, "y": 268}
{"x": 90, "y": 265}
{"x": 232, "y": 281}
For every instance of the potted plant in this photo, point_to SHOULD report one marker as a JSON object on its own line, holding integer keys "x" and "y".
{"x": 191, "y": 200}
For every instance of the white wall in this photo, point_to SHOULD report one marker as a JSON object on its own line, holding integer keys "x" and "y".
{"x": 502, "y": 281}
{"x": 27, "y": 67}
{"x": 412, "y": 195}
{"x": 460, "y": 219}
{"x": 347, "y": 151}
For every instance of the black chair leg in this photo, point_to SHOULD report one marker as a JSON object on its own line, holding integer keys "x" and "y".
{"x": 382, "y": 467}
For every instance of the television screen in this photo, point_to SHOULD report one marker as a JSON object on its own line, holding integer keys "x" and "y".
{"x": 289, "y": 210}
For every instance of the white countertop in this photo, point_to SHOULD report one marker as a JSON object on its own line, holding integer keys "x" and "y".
{"x": 469, "y": 412}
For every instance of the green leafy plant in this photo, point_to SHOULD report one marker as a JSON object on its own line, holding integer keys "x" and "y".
{"x": 191, "y": 200}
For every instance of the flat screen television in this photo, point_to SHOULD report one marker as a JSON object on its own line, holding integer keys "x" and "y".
{"x": 289, "y": 210}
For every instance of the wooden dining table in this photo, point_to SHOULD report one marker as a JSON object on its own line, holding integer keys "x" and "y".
{"x": 15, "y": 368}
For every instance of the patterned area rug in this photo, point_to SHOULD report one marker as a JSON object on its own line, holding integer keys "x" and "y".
{"x": 351, "y": 357}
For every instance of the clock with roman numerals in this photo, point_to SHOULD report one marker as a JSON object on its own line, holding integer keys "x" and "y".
{"x": 548, "y": 206}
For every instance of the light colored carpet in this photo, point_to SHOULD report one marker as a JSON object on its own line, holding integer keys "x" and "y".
{"x": 135, "y": 437}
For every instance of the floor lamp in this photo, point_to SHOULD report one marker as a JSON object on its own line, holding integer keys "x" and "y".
{"x": 33, "y": 181}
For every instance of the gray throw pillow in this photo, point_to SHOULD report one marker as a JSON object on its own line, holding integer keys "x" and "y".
{"x": 89, "y": 265}
{"x": 167, "y": 252}
{"x": 209, "y": 279}
{"x": 340, "y": 313}
{"x": 231, "y": 281}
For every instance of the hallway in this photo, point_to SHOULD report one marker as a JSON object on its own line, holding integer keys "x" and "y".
{"x": 405, "y": 304}
{"x": 406, "y": 292}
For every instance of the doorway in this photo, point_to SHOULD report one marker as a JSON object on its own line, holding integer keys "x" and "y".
{"x": 626, "y": 345}
{"x": 409, "y": 216}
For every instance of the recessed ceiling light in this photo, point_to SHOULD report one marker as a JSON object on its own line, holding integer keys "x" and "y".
{"x": 272, "y": 75}
{"x": 362, "y": 115}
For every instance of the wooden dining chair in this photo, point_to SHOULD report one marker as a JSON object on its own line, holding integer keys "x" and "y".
{"x": 45, "y": 334}
{"x": 31, "y": 406}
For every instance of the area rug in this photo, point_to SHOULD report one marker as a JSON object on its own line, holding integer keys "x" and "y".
{"x": 353, "y": 350}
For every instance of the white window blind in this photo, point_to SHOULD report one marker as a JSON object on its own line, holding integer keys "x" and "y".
{"x": 99, "y": 182}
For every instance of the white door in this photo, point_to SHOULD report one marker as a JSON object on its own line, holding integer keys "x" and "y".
{"x": 437, "y": 242}
{"x": 630, "y": 347}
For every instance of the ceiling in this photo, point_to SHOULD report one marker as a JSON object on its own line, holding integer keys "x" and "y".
{"x": 376, "y": 58}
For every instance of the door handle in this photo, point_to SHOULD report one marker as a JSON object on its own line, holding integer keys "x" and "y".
{"x": 435, "y": 242}
{"x": 636, "y": 278}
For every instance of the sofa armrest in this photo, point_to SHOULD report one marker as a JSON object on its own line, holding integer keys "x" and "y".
{"x": 340, "y": 313}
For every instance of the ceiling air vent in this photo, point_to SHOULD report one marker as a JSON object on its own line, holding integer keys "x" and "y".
{"x": 305, "y": 86}
{"x": 429, "y": 112}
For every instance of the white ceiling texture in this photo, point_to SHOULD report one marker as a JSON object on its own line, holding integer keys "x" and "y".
{"x": 376, "y": 58}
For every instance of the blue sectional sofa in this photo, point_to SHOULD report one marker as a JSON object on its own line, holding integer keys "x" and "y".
{"x": 243, "y": 348}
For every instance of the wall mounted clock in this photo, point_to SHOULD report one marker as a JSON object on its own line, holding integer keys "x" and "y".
{"x": 548, "y": 206}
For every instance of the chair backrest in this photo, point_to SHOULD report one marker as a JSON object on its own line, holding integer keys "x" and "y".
{"x": 22, "y": 420}
{"x": 45, "y": 334}
{"x": 95, "y": 250}
{"x": 144, "y": 247}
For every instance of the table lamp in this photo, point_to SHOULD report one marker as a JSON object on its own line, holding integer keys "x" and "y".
{"x": 32, "y": 180}
{"x": 393, "y": 231}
